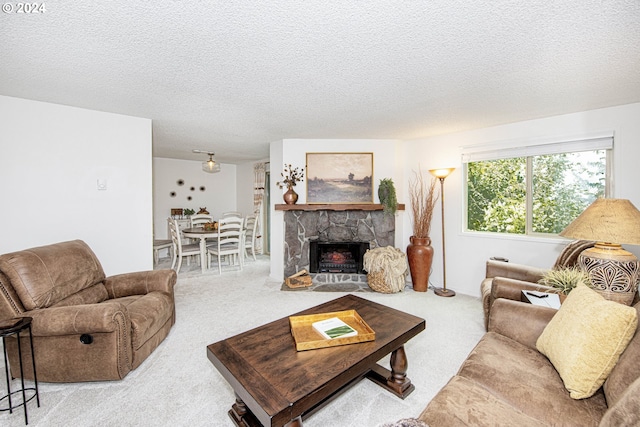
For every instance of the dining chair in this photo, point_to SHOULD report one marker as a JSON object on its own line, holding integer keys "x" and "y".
{"x": 181, "y": 250}
{"x": 249, "y": 236}
{"x": 198, "y": 219}
{"x": 232, "y": 213}
{"x": 228, "y": 243}
{"x": 158, "y": 245}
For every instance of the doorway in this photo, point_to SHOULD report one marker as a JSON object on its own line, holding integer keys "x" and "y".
{"x": 266, "y": 229}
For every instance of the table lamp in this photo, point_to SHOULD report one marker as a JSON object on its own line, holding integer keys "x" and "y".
{"x": 613, "y": 271}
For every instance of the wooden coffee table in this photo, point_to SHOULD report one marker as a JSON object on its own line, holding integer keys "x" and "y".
{"x": 275, "y": 385}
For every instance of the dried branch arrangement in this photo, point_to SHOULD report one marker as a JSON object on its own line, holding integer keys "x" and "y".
{"x": 290, "y": 177}
{"x": 423, "y": 201}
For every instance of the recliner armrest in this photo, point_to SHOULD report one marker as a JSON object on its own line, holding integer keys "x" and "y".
{"x": 519, "y": 321}
{"x": 141, "y": 283}
{"x": 79, "y": 319}
{"x": 503, "y": 287}
{"x": 514, "y": 271}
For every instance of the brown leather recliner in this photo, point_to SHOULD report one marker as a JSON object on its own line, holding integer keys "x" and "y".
{"x": 513, "y": 278}
{"x": 86, "y": 327}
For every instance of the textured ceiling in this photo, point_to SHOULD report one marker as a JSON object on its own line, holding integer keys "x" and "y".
{"x": 232, "y": 76}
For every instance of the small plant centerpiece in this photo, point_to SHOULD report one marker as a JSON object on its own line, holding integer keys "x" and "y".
{"x": 290, "y": 177}
{"x": 387, "y": 196}
{"x": 565, "y": 279}
{"x": 423, "y": 199}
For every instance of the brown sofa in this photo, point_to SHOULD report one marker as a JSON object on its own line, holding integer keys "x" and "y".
{"x": 86, "y": 327}
{"x": 505, "y": 381}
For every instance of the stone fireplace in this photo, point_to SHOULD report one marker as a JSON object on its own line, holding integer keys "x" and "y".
{"x": 301, "y": 227}
{"x": 337, "y": 257}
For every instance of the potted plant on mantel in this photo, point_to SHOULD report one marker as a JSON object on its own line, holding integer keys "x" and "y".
{"x": 291, "y": 176}
{"x": 420, "y": 252}
{"x": 387, "y": 196}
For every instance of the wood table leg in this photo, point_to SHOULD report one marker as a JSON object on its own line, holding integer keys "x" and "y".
{"x": 297, "y": 422}
{"x": 242, "y": 416}
{"x": 203, "y": 254}
{"x": 396, "y": 380}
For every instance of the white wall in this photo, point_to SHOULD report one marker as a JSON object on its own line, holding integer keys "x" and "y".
{"x": 466, "y": 252}
{"x": 276, "y": 254}
{"x": 219, "y": 193}
{"x": 51, "y": 157}
{"x": 388, "y": 162}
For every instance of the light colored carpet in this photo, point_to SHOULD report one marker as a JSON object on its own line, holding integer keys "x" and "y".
{"x": 178, "y": 386}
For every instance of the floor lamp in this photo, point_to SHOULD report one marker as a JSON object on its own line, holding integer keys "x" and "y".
{"x": 441, "y": 174}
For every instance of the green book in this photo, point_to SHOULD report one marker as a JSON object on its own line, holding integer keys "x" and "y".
{"x": 334, "y": 328}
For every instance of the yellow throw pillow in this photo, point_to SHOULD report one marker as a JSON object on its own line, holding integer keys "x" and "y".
{"x": 585, "y": 338}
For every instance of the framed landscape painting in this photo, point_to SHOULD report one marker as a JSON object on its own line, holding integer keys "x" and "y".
{"x": 339, "y": 178}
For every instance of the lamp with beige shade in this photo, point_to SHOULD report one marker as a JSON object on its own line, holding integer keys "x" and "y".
{"x": 614, "y": 272}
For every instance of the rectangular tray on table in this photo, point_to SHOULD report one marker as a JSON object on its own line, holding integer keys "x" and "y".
{"x": 307, "y": 338}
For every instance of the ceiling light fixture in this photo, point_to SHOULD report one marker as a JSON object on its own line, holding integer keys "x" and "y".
{"x": 210, "y": 166}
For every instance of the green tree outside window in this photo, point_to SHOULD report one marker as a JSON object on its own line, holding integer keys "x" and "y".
{"x": 561, "y": 187}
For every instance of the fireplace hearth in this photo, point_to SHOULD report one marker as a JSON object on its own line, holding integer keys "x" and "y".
{"x": 336, "y": 257}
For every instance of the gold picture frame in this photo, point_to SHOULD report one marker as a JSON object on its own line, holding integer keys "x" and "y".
{"x": 339, "y": 178}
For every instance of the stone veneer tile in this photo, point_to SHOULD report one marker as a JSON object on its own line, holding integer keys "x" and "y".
{"x": 374, "y": 227}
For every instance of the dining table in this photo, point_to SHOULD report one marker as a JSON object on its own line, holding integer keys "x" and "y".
{"x": 203, "y": 235}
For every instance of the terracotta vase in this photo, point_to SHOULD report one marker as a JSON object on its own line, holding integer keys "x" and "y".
{"x": 420, "y": 257}
{"x": 290, "y": 197}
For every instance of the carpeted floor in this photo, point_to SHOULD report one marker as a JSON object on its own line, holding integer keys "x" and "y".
{"x": 178, "y": 386}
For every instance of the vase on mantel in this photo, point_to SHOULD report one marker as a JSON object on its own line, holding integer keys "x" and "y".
{"x": 290, "y": 197}
{"x": 420, "y": 257}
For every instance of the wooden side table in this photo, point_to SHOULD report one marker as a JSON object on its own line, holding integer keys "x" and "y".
{"x": 14, "y": 327}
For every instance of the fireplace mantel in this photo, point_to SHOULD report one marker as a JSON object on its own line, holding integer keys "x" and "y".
{"x": 334, "y": 207}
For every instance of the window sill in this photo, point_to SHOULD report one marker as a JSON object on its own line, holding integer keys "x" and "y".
{"x": 552, "y": 240}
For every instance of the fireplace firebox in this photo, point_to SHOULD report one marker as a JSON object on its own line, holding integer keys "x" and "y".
{"x": 337, "y": 257}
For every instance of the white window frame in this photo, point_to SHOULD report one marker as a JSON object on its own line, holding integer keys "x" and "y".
{"x": 529, "y": 149}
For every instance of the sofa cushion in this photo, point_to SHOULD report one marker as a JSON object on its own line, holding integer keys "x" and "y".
{"x": 524, "y": 379}
{"x": 92, "y": 295}
{"x": 626, "y": 409}
{"x": 585, "y": 339}
{"x": 148, "y": 313}
{"x": 626, "y": 371}
{"x": 44, "y": 275}
{"x": 462, "y": 402}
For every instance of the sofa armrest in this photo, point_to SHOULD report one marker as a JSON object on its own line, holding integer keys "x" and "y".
{"x": 503, "y": 287}
{"x": 514, "y": 271}
{"x": 141, "y": 283}
{"x": 79, "y": 319}
{"x": 519, "y": 321}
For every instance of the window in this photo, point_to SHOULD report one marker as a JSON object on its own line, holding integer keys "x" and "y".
{"x": 534, "y": 189}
